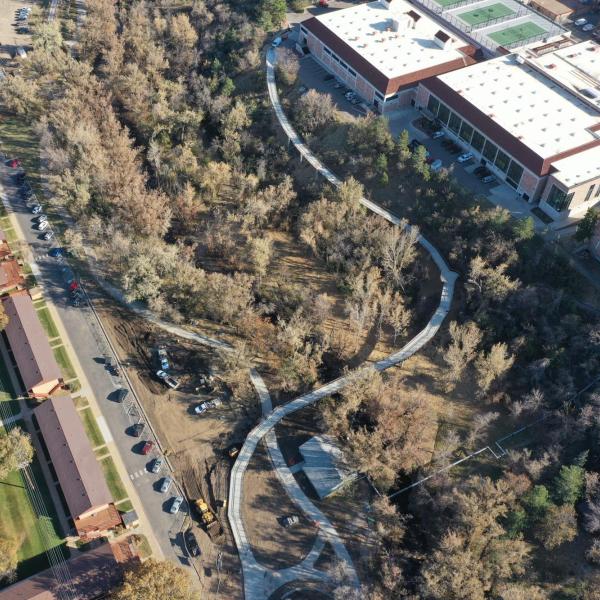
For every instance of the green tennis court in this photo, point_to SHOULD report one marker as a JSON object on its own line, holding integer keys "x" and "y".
{"x": 445, "y": 3}
{"x": 518, "y": 33}
{"x": 485, "y": 14}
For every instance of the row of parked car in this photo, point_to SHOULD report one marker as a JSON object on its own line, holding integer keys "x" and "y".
{"x": 22, "y": 15}
{"x": 463, "y": 157}
{"x": 583, "y": 24}
{"x": 156, "y": 466}
{"x": 351, "y": 96}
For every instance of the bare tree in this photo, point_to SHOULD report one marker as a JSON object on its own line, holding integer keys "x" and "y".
{"x": 493, "y": 365}
{"x": 314, "y": 111}
{"x": 260, "y": 253}
{"x": 287, "y": 67}
{"x": 398, "y": 252}
{"x": 462, "y": 350}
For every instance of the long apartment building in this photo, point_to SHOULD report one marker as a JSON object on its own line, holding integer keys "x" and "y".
{"x": 532, "y": 118}
{"x": 79, "y": 474}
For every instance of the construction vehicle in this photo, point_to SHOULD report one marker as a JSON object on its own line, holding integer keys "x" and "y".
{"x": 167, "y": 379}
{"x": 208, "y": 519}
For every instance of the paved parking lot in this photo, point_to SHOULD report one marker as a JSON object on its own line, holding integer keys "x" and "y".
{"x": 314, "y": 10}
{"x": 10, "y": 39}
{"x": 313, "y": 76}
{"x": 498, "y": 193}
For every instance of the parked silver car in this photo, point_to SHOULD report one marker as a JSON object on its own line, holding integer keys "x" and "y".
{"x": 177, "y": 502}
{"x": 166, "y": 484}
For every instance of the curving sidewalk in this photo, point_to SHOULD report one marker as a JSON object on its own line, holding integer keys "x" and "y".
{"x": 259, "y": 583}
{"x": 254, "y": 574}
{"x": 305, "y": 570}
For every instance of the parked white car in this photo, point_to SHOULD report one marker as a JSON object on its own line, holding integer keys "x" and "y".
{"x": 588, "y": 27}
{"x": 465, "y": 157}
{"x": 276, "y": 42}
{"x": 436, "y": 165}
{"x": 42, "y": 225}
{"x": 177, "y": 502}
{"x": 580, "y": 22}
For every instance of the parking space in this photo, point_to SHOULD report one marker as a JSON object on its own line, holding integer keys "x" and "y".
{"x": 586, "y": 26}
{"x": 468, "y": 172}
{"x": 319, "y": 8}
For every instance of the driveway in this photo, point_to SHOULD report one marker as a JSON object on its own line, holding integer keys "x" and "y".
{"x": 86, "y": 341}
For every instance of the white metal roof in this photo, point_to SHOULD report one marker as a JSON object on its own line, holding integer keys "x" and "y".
{"x": 527, "y": 103}
{"x": 575, "y": 67}
{"x": 324, "y": 464}
{"x": 578, "y": 168}
{"x": 367, "y": 29}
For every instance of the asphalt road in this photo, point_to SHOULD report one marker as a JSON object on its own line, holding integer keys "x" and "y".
{"x": 88, "y": 344}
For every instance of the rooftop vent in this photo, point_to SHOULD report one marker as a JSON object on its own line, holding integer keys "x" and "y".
{"x": 403, "y": 22}
{"x": 442, "y": 39}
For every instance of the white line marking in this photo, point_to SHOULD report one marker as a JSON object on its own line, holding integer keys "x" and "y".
{"x": 104, "y": 429}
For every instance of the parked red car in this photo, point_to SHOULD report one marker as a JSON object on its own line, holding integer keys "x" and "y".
{"x": 147, "y": 447}
{"x": 73, "y": 286}
{"x": 14, "y": 163}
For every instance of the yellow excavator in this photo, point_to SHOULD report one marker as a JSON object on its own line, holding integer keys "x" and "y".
{"x": 208, "y": 518}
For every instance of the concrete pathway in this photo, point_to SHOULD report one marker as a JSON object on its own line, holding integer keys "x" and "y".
{"x": 254, "y": 578}
{"x": 305, "y": 570}
{"x": 258, "y": 583}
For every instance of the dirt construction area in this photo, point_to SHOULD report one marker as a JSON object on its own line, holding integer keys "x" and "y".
{"x": 195, "y": 444}
{"x": 10, "y": 36}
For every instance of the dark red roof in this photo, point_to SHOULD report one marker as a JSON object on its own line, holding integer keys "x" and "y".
{"x": 91, "y": 575}
{"x": 373, "y": 75}
{"x": 29, "y": 342}
{"x": 79, "y": 473}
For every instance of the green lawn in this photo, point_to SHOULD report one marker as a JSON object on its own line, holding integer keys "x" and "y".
{"x": 80, "y": 402}
{"x": 48, "y": 322}
{"x": 19, "y": 521}
{"x": 91, "y": 427}
{"x": 485, "y": 14}
{"x": 115, "y": 485}
{"x": 101, "y": 452}
{"x": 62, "y": 359}
{"x": 125, "y": 506}
{"x": 517, "y": 33}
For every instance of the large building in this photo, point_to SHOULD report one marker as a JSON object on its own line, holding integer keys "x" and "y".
{"x": 383, "y": 49}
{"x": 531, "y": 117}
{"x": 28, "y": 342}
{"x": 87, "y": 576}
{"x": 79, "y": 474}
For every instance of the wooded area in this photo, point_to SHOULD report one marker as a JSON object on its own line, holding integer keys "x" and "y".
{"x": 158, "y": 140}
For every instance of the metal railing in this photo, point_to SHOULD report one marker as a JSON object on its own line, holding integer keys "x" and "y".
{"x": 510, "y": 17}
{"x": 483, "y": 40}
